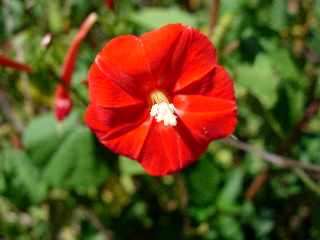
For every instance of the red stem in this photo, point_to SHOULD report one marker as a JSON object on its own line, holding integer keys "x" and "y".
{"x": 214, "y": 14}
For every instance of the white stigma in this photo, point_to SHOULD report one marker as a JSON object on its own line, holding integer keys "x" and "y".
{"x": 164, "y": 112}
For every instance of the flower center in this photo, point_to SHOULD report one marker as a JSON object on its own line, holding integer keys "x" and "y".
{"x": 162, "y": 110}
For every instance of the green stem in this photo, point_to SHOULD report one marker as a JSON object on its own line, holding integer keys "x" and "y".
{"x": 313, "y": 186}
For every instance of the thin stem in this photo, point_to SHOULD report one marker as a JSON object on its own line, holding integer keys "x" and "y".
{"x": 214, "y": 14}
{"x": 298, "y": 167}
{"x": 307, "y": 181}
{"x": 275, "y": 159}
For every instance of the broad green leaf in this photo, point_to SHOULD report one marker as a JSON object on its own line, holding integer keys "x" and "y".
{"x": 44, "y": 134}
{"x": 310, "y": 151}
{"x": 129, "y": 167}
{"x": 202, "y": 213}
{"x": 260, "y": 80}
{"x": 231, "y": 189}
{"x": 26, "y": 178}
{"x": 287, "y": 68}
{"x": 263, "y": 225}
{"x": 55, "y": 17}
{"x": 74, "y": 165}
{"x": 203, "y": 182}
{"x": 230, "y": 228}
{"x": 153, "y": 17}
{"x": 2, "y": 182}
{"x": 232, "y": 6}
{"x": 87, "y": 172}
{"x": 293, "y": 99}
{"x": 278, "y": 15}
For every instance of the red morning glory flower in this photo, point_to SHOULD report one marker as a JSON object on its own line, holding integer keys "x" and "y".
{"x": 160, "y": 98}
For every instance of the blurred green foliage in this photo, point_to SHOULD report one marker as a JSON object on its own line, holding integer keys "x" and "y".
{"x": 62, "y": 184}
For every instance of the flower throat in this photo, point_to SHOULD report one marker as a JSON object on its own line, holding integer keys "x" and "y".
{"x": 162, "y": 109}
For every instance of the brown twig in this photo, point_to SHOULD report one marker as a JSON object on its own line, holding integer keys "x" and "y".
{"x": 231, "y": 47}
{"x": 214, "y": 14}
{"x": 257, "y": 183}
{"x": 275, "y": 159}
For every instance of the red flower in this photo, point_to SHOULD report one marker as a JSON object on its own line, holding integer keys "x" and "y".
{"x": 110, "y": 4}
{"x": 63, "y": 102}
{"x": 160, "y": 98}
{"x": 4, "y": 61}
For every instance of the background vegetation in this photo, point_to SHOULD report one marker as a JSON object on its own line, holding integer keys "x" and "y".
{"x": 58, "y": 182}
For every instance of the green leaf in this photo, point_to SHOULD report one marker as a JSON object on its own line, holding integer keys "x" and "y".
{"x": 129, "y": 167}
{"x": 232, "y": 6}
{"x": 230, "y": 228}
{"x": 201, "y": 214}
{"x": 287, "y": 69}
{"x": 231, "y": 190}
{"x": 278, "y": 15}
{"x": 2, "y": 183}
{"x": 54, "y": 16}
{"x": 74, "y": 164}
{"x": 65, "y": 151}
{"x": 203, "y": 182}
{"x": 44, "y": 134}
{"x": 87, "y": 173}
{"x": 260, "y": 80}
{"x": 153, "y": 17}
{"x": 26, "y": 178}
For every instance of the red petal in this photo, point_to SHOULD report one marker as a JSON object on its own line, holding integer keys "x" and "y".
{"x": 216, "y": 84}
{"x": 159, "y": 46}
{"x": 104, "y": 92}
{"x": 178, "y": 54}
{"x": 113, "y": 122}
{"x": 130, "y": 143}
{"x": 207, "y": 118}
{"x": 169, "y": 149}
{"x": 123, "y": 61}
{"x": 196, "y": 55}
{"x": 222, "y": 85}
{"x": 126, "y": 138}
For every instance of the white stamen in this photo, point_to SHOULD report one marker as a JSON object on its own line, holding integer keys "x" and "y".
{"x": 164, "y": 112}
